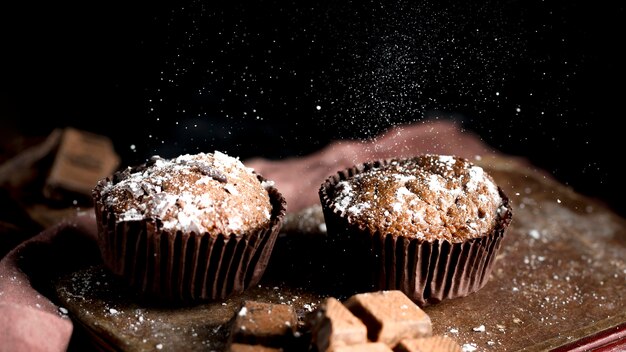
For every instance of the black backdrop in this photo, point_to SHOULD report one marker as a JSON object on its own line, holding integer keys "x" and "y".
{"x": 541, "y": 79}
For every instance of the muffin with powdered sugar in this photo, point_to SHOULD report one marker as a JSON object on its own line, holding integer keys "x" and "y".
{"x": 195, "y": 227}
{"x": 430, "y": 225}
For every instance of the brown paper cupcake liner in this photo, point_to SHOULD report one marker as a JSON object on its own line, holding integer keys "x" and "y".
{"x": 427, "y": 272}
{"x": 179, "y": 266}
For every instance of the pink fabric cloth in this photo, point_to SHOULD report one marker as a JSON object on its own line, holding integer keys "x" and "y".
{"x": 30, "y": 321}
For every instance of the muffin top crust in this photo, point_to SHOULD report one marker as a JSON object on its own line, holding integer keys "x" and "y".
{"x": 203, "y": 193}
{"x": 428, "y": 196}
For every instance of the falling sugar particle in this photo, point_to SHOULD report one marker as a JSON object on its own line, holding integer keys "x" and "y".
{"x": 558, "y": 201}
{"x": 159, "y": 346}
{"x": 454, "y": 331}
{"x": 113, "y": 311}
{"x": 318, "y": 108}
{"x": 63, "y": 311}
{"x": 132, "y": 147}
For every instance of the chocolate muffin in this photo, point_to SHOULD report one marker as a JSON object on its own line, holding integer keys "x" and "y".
{"x": 430, "y": 225}
{"x": 194, "y": 227}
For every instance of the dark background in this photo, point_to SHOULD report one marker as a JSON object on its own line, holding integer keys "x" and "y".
{"x": 540, "y": 79}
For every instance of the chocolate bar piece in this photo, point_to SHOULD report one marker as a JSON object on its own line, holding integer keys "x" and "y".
{"x": 333, "y": 325}
{"x": 81, "y": 160}
{"x": 390, "y": 316}
{"x": 437, "y": 343}
{"x": 260, "y": 323}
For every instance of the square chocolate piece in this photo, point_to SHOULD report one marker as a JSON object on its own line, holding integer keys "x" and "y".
{"x": 390, "y": 316}
{"x": 267, "y": 324}
{"x": 333, "y": 325}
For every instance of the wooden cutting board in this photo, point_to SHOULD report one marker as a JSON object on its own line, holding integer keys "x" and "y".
{"x": 559, "y": 278}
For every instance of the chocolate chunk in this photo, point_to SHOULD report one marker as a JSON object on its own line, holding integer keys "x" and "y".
{"x": 211, "y": 172}
{"x": 121, "y": 175}
{"x": 207, "y": 170}
{"x": 390, "y": 316}
{"x": 437, "y": 343}
{"x": 267, "y": 324}
{"x": 364, "y": 347}
{"x": 81, "y": 159}
{"x": 332, "y": 325}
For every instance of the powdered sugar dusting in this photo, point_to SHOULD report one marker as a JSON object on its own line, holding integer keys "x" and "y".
{"x": 447, "y": 159}
{"x": 426, "y": 196}
{"x": 476, "y": 175}
{"x": 344, "y": 196}
{"x": 358, "y": 208}
{"x": 477, "y": 179}
{"x": 200, "y": 193}
{"x": 435, "y": 184}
